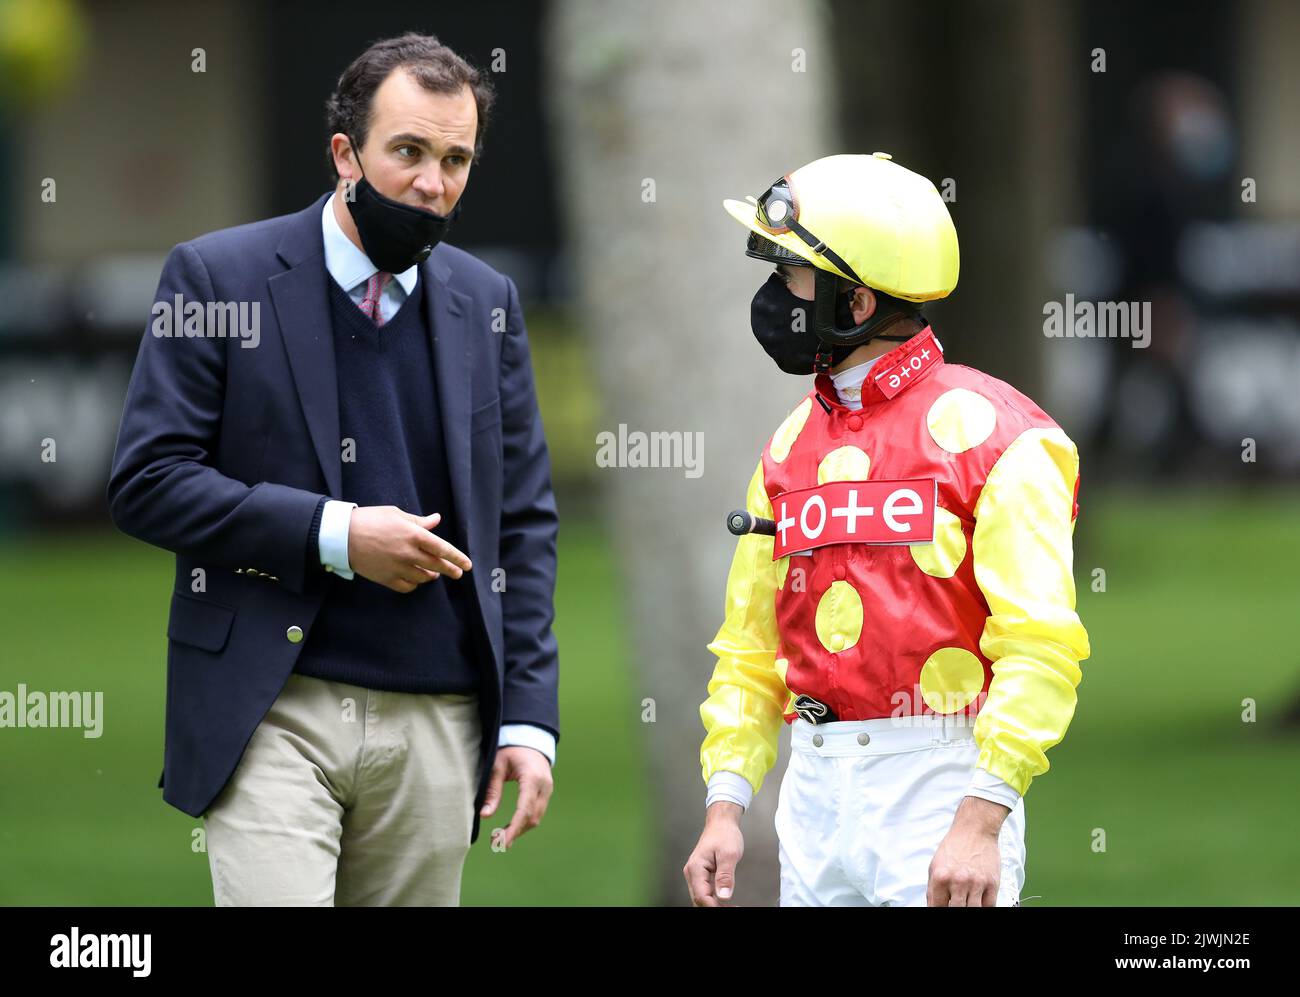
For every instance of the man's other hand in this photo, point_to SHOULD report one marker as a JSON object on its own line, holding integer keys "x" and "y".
{"x": 531, "y": 769}
{"x": 965, "y": 870}
{"x": 711, "y": 870}
{"x": 397, "y": 550}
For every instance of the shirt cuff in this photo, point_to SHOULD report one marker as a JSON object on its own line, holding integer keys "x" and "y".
{"x": 987, "y": 786}
{"x": 731, "y": 786}
{"x": 334, "y": 522}
{"x": 528, "y": 736}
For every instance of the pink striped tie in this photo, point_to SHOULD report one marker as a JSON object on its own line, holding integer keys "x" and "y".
{"x": 374, "y": 289}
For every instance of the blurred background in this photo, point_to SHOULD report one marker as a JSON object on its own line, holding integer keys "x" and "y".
{"x": 1104, "y": 151}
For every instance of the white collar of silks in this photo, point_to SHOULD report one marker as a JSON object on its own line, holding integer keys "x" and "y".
{"x": 848, "y": 384}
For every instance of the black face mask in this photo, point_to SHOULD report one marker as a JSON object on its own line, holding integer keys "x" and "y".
{"x": 775, "y": 314}
{"x": 395, "y": 236}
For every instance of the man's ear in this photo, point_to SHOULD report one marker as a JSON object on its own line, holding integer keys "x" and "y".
{"x": 341, "y": 146}
{"x": 863, "y": 304}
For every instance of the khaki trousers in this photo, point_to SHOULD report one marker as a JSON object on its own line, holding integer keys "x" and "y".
{"x": 347, "y": 796}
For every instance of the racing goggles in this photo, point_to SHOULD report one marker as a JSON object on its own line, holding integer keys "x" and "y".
{"x": 778, "y": 212}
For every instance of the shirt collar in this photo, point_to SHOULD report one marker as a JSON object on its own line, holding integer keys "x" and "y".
{"x": 347, "y": 264}
{"x": 892, "y": 372}
{"x": 848, "y": 383}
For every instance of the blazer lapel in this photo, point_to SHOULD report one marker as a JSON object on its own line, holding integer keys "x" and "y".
{"x": 447, "y": 314}
{"x": 301, "y": 299}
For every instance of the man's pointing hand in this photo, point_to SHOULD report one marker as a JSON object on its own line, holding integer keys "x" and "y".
{"x": 397, "y": 550}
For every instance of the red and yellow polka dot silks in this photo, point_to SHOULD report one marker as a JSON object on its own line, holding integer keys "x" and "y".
{"x": 981, "y": 621}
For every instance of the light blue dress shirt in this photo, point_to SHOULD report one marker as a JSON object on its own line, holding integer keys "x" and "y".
{"x": 351, "y": 269}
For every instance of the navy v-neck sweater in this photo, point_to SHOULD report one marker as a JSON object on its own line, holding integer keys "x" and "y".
{"x": 367, "y": 634}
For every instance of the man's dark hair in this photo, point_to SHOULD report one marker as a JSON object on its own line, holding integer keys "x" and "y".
{"x": 432, "y": 64}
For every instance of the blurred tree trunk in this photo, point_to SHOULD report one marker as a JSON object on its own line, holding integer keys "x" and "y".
{"x": 659, "y": 113}
{"x": 980, "y": 93}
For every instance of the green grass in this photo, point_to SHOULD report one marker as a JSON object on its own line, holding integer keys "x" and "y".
{"x": 82, "y": 822}
{"x": 594, "y": 844}
{"x": 1197, "y": 807}
{"x": 1199, "y": 613}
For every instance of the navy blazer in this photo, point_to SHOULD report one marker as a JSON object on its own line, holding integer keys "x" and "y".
{"x": 224, "y": 452}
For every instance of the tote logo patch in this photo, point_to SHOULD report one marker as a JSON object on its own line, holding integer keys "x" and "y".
{"x": 873, "y": 512}
{"x": 917, "y": 358}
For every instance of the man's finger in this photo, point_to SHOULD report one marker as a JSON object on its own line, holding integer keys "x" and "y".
{"x": 936, "y": 892}
{"x": 435, "y": 547}
{"x": 416, "y": 574}
{"x": 525, "y": 815}
{"x": 698, "y": 881}
{"x": 724, "y": 880}
{"x": 990, "y": 896}
{"x": 424, "y": 522}
{"x": 430, "y": 543}
{"x": 493, "y": 796}
{"x": 958, "y": 891}
{"x": 437, "y": 566}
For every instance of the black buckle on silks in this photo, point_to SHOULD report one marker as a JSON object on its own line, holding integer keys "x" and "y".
{"x": 814, "y": 711}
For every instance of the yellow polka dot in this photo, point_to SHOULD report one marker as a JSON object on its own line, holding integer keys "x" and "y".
{"x": 950, "y": 679}
{"x": 844, "y": 464}
{"x": 961, "y": 419}
{"x": 782, "y": 568}
{"x": 943, "y": 557}
{"x": 839, "y": 617}
{"x": 783, "y": 439}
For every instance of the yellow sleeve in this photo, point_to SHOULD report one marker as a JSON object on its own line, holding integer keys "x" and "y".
{"x": 1024, "y": 564}
{"x": 747, "y": 696}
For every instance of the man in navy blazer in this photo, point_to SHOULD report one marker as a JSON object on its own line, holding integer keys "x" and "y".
{"x": 274, "y": 459}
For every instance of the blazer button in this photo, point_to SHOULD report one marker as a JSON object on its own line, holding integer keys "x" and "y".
{"x": 294, "y": 634}
{"x": 864, "y": 738}
{"x": 818, "y": 740}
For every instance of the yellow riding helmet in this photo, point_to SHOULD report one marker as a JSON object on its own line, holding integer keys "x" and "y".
{"x": 864, "y": 218}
